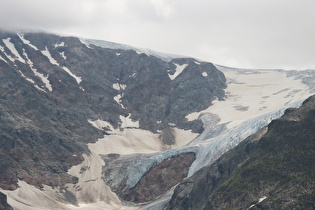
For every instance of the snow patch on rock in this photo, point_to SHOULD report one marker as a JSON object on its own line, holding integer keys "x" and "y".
{"x": 118, "y": 86}
{"x": 50, "y": 58}
{"x": 77, "y": 79}
{"x": 61, "y": 44}
{"x": 13, "y": 50}
{"x": 27, "y": 42}
{"x": 8, "y": 56}
{"x": 118, "y": 100}
{"x": 54, "y": 62}
{"x": 127, "y": 122}
{"x": 259, "y": 201}
{"x": 31, "y": 81}
{"x": 62, "y": 54}
{"x": 204, "y": 74}
{"x": 36, "y": 73}
{"x": 179, "y": 69}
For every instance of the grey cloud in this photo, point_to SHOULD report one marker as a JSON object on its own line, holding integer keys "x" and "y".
{"x": 244, "y": 33}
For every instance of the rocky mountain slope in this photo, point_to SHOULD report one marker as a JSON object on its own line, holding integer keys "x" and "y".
{"x": 88, "y": 124}
{"x": 272, "y": 169}
{"x": 54, "y": 87}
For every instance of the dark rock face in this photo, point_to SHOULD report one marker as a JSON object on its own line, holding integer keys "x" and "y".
{"x": 52, "y": 85}
{"x": 160, "y": 179}
{"x": 3, "y": 202}
{"x": 273, "y": 169}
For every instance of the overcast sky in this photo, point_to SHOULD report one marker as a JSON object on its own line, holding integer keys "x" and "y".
{"x": 236, "y": 33}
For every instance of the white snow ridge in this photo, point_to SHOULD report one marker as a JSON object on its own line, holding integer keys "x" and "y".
{"x": 31, "y": 81}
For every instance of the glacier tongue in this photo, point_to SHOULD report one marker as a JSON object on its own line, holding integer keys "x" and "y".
{"x": 210, "y": 149}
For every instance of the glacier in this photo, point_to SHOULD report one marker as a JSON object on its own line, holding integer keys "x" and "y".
{"x": 207, "y": 149}
{"x": 254, "y": 98}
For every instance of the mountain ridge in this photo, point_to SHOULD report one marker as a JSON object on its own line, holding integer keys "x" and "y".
{"x": 54, "y": 88}
{"x": 79, "y": 121}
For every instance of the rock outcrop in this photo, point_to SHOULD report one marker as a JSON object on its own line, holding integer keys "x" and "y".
{"x": 158, "y": 180}
{"x": 273, "y": 169}
{"x": 3, "y": 202}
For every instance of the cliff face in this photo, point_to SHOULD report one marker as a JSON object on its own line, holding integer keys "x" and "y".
{"x": 273, "y": 169}
{"x": 3, "y": 202}
{"x": 159, "y": 179}
{"x": 51, "y": 86}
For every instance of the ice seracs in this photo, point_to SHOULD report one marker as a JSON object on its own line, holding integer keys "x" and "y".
{"x": 102, "y": 125}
